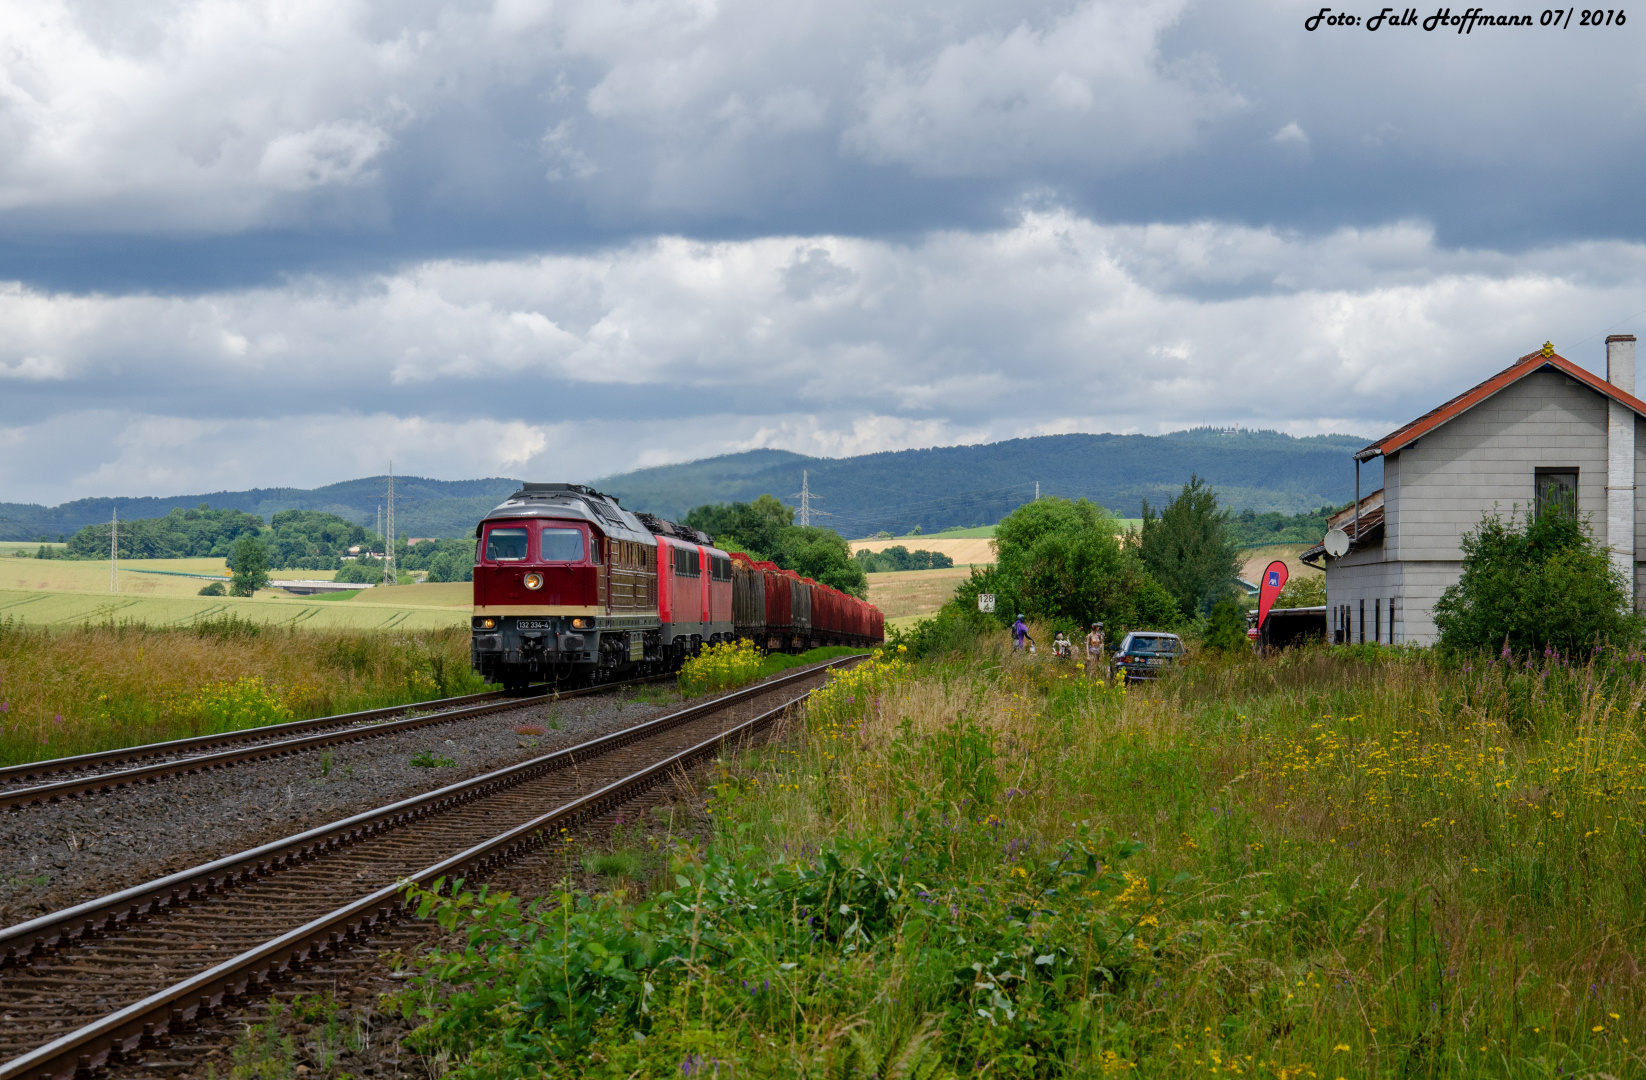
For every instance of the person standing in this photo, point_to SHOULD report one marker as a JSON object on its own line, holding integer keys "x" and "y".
{"x": 1020, "y": 633}
{"x": 1094, "y": 648}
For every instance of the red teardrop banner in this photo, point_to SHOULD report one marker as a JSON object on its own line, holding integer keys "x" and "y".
{"x": 1274, "y": 579}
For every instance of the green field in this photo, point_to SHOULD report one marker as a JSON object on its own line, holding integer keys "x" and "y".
{"x": 9, "y": 548}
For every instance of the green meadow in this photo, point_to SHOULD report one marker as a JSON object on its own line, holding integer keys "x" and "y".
{"x": 1346, "y": 863}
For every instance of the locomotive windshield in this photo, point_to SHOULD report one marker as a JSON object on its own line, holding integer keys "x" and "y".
{"x": 562, "y": 545}
{"x": 505, "y": 545}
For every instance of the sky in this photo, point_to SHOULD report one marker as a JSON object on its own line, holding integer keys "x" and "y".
{"x": 284, "y": 242}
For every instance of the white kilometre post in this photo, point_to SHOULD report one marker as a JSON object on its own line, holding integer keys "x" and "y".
{"x": 114, "y": 551}
{"x": 1620, "y": 458}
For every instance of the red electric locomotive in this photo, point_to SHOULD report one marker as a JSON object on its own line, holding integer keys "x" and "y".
{"x": 571, "y": 588}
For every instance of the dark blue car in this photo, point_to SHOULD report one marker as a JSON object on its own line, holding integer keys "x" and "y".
{"x": 1145, "y": 654}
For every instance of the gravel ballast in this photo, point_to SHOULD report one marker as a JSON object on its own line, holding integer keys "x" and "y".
{"x": 67, "y": 853}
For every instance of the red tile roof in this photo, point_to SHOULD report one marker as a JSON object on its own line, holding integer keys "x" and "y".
{"x": 1545, "y": 359}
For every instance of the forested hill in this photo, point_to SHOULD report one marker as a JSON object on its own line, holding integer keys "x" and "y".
{"x": 432, "y": 508}
{"x": 975, "y": 485}
{"x": 951, "y": 485}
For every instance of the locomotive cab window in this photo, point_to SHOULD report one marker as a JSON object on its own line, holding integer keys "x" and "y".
{"x": 506, "y": 545}
{"x": 561, "y": 545}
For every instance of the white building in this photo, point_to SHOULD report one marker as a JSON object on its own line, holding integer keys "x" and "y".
{"x": 1542, "y": 429}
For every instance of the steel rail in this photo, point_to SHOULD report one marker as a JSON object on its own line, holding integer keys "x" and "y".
{"x": 30, "y": 770}
{"x": 173, "y": 1010}
{"x": 97, "y": 918}
{"x": 355, "y": 731}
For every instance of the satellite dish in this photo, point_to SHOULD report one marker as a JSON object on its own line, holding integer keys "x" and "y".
{"x": 1337, "y": 543}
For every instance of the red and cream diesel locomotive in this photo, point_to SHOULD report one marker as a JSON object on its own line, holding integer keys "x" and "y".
{"x": 571, "y": 588}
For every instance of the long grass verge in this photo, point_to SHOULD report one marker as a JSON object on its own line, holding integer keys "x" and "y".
{"x": 1341, "y": 863}
{"x": 88, "y": 688}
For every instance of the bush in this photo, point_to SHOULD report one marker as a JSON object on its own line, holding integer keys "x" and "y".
{"x": 360, "y": 573}
{"x": 1533, "y": 587}
{"x": 1227, "y": 628}
{"x": 721, "y": 667}
{"x": 954, "y": 629}
{"x": 1305, "y": 590}
{"x": 214, "y": 589}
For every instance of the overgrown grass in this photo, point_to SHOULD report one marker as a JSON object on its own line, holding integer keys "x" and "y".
{"x": 1338, "y": 863}
{"x": 776, "y": 662}
{"x": 732, "y": 664}
{"x": 76, "y": 690}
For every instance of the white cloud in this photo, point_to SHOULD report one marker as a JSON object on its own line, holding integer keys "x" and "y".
{"x": 582, "y": 365}
{"x": 1291, "y": 134}
{"x": 1089, "y": 86}
{"x": 193, "y": 116}
{"x": 215, "y": 114}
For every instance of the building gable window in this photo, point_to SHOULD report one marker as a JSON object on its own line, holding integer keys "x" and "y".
{"x": 1556, "y": 489}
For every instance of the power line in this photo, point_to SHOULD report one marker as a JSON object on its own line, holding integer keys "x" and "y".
{"x": 805, "y": 496}
{"x": 390, "y": 577}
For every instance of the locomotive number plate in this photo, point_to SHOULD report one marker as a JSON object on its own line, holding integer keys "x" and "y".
{"x": 533, "y": 624}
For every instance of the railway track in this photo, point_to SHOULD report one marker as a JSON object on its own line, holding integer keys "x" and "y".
{"x": 103, "y": 771}
{"x": 104, "y": 982}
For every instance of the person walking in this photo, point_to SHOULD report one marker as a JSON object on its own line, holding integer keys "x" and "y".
{"x": 1020, "y": 633}
{"x": 1094, "y": 648}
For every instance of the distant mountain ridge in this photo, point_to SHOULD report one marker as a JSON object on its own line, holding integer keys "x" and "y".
{"x": 432, "y": 508}
{"x": 976, "y": 485}
{"x": 896, "y": 490}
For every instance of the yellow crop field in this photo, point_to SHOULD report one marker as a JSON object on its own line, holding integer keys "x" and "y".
{"x": 906, "y": 593}
{"x": 64, "y": 575}
{"x": 1253, "y": 560}
{"x": 46, "y": 608}
{"x": 10, "y": 547}
{"x": 443, "y": 594}
{"x": 962, "y": 551}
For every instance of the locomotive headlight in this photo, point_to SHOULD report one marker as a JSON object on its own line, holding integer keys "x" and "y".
{"x": 485, "y": 624}
{"x": 582, "y": 624}
{"x": 534, "y": 581}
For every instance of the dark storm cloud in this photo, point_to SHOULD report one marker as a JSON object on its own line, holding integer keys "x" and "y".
{"x": 582, "y": 235}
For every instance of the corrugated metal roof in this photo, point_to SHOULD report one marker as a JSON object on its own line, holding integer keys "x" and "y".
{"x": 1368, "y": 530}
{"x": 1545, "y": 359}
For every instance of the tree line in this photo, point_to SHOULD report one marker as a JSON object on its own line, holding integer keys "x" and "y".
{"x": 898, "y": 557}
{"x": 765, "y": 531}
{"x": 290, "y": 540}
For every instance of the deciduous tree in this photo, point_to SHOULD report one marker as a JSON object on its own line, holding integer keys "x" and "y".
{"x": 249, "y": 560}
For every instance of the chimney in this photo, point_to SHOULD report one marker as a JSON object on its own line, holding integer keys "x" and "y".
{"x": 1620, "y": 362}
{"x": 1620, "y": 458}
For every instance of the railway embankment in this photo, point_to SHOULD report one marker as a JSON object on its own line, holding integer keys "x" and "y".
{"x": 203, "y": 942}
